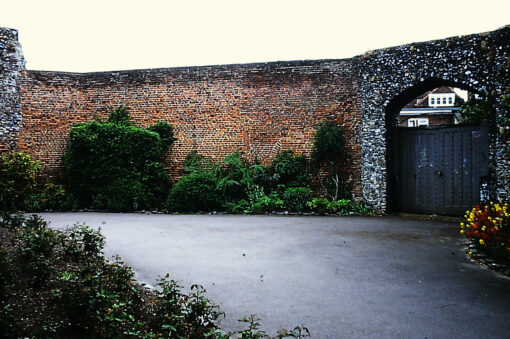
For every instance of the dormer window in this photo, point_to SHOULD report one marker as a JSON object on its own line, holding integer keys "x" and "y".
{"x": 441, "y": 99}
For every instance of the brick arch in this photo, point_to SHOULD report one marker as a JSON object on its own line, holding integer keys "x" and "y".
{"x": 389, "y": 76}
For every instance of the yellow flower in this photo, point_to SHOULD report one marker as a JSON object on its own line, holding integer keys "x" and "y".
{"x": 481, "y": 242}
{"x": 470, "y": 253}
{"x": 484, "y": 228}
{"x": 462, "y": 224}
{"x": 461, "y": 231}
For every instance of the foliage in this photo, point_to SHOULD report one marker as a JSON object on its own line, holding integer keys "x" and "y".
{"x": 258, "y": 202}
{"x": 196, "y": 163}
{"x": 18, "y": 175}
{"x": 288, "y": 170}
{"x": 48, "y": 196}
{"x": 295, "y": 198}
{"x": 319, "y": 205}
{"x": 117, "y": 166}
{"x": 37, "y": 248}
{"x": 475, "y": 110}
{"x": 87, "y": 296}
{"x": 80, "y": 242}
{"x": 330, "y": 154}
{"x": 178, "y": 315}
{"x": 235, "y": 177}
{"x": 341, "y": 207}
{"x": 195, "y": 192}
{"x": 348, "y": 207}
{"x": 488, "y": 228}
{"x": 165, "y": 132}
{"x": 120, "y": 116}
{"x": 253, "y": 330}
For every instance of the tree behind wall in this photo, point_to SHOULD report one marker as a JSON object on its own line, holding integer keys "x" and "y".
{"x": 117, "y": 166}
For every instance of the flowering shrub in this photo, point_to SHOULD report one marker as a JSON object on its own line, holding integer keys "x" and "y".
{"x": 488, "y": 228}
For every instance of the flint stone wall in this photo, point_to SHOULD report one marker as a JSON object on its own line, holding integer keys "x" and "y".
{"x": 12, "y": 66}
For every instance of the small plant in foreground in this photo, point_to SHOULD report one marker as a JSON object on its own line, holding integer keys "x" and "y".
{"x": 488, "y": 228}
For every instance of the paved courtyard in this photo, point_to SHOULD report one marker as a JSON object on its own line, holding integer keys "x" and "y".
{"x": 351, "y": 277}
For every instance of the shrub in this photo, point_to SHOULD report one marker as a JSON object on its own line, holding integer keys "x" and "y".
{"x": 235, "y": 177}
{"x": 82, "y": 242}
{"x": 86, "y": 296}
{"x": 295, "y": 198}
{"x": 319, "y": 205}
{"x": 329, "y": 155}
{"x": 38, "y": 243}
{"x": 18, "y": 175}
{"x": 117, "y": 166}
{"x": 195, "y": 192}
{"x": 196, "y": 163}
{"x": 348, "y": 207}
{"x": 288, "y": 170}
{"x": 258, "y": 202}
{"x": 342, "y": 207}
{"x": 48, "y": 196}
{"x": 488, "y": 228}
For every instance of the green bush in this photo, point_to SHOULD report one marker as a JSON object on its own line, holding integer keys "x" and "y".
{"x": 197, "y": 163}
{"x": 295, "y": 198}
{"x": 475, "y": 111}
{"x": 195, "y": 192}
{"x": 319, "y": 205}
{"x": 288, "y": 170}
{"x": 18, "y": 174}
{"x": 38, "y": 242}
{"x": 117, "y": 166}
{"x": 48, "y": 196}
{"x": 329, "y": 155}
{"x": 258, "y": 202}
{"x": 235, "y": 177}
{"x": 347, "y": 207}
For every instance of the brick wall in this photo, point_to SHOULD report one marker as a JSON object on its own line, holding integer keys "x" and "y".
{"x": 258, "y": 109}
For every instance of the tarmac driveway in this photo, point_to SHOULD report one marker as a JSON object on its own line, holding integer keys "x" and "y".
{"x": 351, "y": 277}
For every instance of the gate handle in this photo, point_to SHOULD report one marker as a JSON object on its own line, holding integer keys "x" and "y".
{"x": 438, "y": 173}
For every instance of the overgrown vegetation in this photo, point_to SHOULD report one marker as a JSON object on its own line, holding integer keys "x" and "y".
{"x": 329, "y": 156}
{"x": 116, "y": 166}
{"x": 238, "y": 186}
{"x": 58, "y": 284}
{"x": 23, "y": 187}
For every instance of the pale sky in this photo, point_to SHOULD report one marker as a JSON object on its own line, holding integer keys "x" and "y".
{"x": 92, "y": 35}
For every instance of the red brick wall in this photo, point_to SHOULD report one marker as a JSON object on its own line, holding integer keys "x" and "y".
{"x": 258, "y": 109}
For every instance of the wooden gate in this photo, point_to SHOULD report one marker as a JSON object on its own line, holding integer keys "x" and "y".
{"x": 437, "y": 170}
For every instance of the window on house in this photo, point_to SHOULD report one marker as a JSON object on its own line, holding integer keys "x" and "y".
{"x": 432, "y": 100}
{"x": 450, "y": 100}
{"x": 417, "y": 122}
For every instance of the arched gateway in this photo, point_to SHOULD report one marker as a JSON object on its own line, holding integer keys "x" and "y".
{"x": 393, "y": 76}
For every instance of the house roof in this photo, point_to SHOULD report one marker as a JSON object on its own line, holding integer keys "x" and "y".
{"x": 423, "y": 102}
